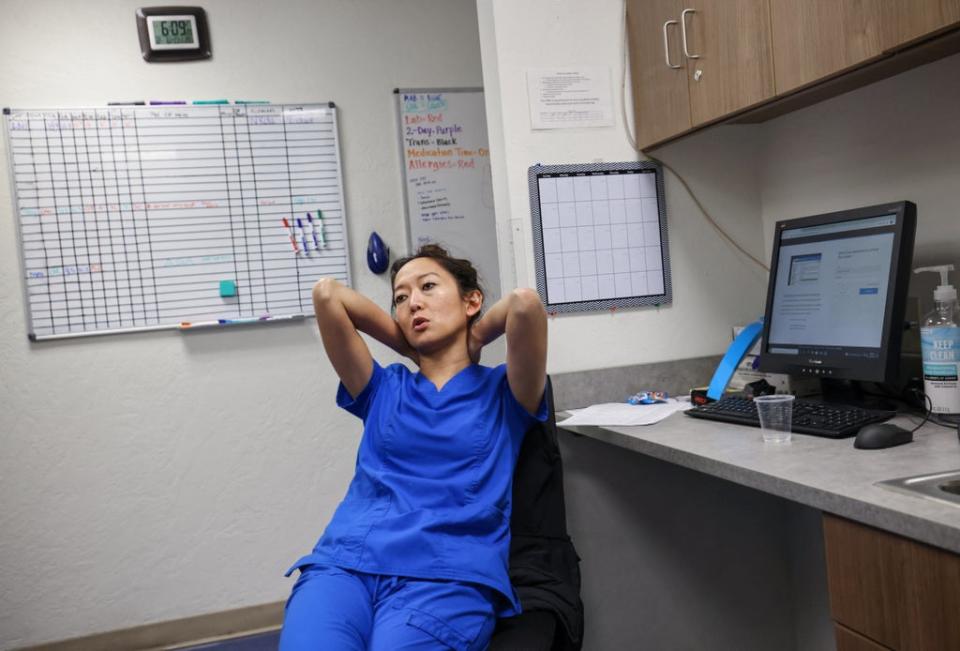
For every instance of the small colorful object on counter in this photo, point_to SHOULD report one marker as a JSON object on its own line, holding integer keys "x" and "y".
{"x": 648, "y": 398}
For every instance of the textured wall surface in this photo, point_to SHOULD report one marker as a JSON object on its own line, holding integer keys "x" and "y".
{"x": 897, "y": 139}
{"x": 714, "y": 288}
{"x": 149, "y": 477}
{"x": 155, "y": 476}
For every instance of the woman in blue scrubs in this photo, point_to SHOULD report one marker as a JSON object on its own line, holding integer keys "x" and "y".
{"x": 416, "y": 555}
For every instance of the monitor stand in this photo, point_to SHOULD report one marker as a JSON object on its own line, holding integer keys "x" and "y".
{"x": 850, "y": 392}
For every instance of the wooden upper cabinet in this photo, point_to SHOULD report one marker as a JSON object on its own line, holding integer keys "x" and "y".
{"x": 906, "y": 21}
{"x": 813, "y": 39}
{"x": 695, "y": 62}
{"x": 661, "y": 102}
{"x": 730, "y": 61}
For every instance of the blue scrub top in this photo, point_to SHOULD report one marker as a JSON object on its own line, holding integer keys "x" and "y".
{"x": 431, "y": 494}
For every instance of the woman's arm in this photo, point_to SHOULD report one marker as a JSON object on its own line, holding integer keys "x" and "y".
{"x": 341, "y": 312}
{"x": 521, "y": 316}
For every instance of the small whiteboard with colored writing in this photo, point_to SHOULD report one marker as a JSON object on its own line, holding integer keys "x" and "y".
{"x": 600, "y": 236}
{"x": 446, "y": 177}
{"x": 145, "y": 217}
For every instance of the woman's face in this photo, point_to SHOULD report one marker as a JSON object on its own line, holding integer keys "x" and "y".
{"x": 429, "y": 308}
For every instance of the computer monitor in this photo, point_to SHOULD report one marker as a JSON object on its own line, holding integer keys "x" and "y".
{"x": 837, "y": 294}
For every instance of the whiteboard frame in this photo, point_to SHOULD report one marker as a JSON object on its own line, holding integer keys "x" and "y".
{"x": 397, "y": 92}
{"x": 343, "y": 197}
{"x": 15, "y": 213}
{"x": 596, "y": 305}
{"x": 493, "y": 291}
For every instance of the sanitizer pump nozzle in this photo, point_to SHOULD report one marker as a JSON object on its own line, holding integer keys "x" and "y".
{"x": 945, "y": 291}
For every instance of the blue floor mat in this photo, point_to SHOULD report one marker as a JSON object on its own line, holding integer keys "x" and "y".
{"x": 262, "y": 642}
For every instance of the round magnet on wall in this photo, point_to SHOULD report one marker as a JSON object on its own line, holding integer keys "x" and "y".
{"x": 378, "y": 254}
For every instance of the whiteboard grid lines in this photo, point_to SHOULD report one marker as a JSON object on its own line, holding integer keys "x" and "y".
{"x": 600, "y": 236}
{"x": 130, "y": 218}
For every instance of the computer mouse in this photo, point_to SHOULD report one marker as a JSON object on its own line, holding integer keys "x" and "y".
{"x": 881, "y": 435}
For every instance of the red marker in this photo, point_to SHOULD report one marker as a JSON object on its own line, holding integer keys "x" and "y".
{"x": 293, "y": 240}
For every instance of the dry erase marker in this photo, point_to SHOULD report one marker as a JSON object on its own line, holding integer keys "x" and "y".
{"x": 187, "y": 325}
{"x": 158, "y": 102}
{"x": 287, "y": 317}
{"x": 323, "y": 240}
{"x": 293, "y": 240}
{"x": 313, "y": 231}
{"x": 303, "y": 235}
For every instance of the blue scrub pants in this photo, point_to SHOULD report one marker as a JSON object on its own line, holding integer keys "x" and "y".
{"x": 343, "y": 610}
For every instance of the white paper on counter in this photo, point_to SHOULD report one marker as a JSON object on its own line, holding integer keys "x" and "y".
{"x": 624, "y": 414}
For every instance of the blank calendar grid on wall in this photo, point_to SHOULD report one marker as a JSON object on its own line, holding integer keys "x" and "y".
{"x": 600, "y": 236}
{"x": 134, "y": 218}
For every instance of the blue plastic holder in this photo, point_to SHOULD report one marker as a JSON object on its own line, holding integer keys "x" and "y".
{"x": 735, "y": 354}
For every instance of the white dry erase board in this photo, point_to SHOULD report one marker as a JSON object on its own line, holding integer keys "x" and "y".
{"x": 446, "y": 176}
{"x": 145, "y": 217}
{"x": 600, "y": 236}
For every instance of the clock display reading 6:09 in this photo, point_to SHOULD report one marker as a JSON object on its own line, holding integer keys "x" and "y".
{"x": 172, "y": 32}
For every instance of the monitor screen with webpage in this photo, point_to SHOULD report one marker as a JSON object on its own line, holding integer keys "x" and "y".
{"x": 837, "y": 294}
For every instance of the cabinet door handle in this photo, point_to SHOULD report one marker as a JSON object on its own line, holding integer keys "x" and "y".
{"x": 683, "y": 32}
{"x": 666, "y": 45}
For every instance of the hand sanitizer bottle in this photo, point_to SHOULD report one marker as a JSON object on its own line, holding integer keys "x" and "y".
{"x": 940, "y": 345}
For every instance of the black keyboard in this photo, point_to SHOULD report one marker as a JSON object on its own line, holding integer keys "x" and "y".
{"x": 809, "y": 417}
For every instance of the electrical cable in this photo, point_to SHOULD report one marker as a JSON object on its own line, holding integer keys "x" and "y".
{"x": 928, "y": 403}
{"x": 633, "y": 144}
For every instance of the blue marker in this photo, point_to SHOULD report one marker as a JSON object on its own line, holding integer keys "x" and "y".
{"x": 303, "y": 235}
{"x": 313, "y": 230}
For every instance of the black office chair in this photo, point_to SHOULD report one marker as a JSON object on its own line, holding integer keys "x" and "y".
{"x": 544, "y": 566}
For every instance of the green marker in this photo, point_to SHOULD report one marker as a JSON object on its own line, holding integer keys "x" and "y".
{"x": 211, "y": 101}
{"x": 317, "y": 231}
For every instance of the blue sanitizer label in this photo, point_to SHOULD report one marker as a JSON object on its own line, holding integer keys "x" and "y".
{"x": 941, "y": 364}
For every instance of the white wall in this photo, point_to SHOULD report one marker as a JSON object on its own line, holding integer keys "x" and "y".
{"x": 896, "y": 139}
{"x": 713, "y": 287}
{"x": 155, "y": 476}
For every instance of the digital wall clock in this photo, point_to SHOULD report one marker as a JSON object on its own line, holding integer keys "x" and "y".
{"x": 173, "y": 33}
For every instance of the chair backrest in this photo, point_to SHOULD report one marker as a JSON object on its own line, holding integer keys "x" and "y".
{"x": 544, "y": 566}
{"x": 538, "y": 504}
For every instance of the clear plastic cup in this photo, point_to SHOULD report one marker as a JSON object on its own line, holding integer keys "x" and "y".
{"x": 776, "y": 416}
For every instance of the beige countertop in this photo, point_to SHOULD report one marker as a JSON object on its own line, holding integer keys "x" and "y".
{"x": 826, "y": 474}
